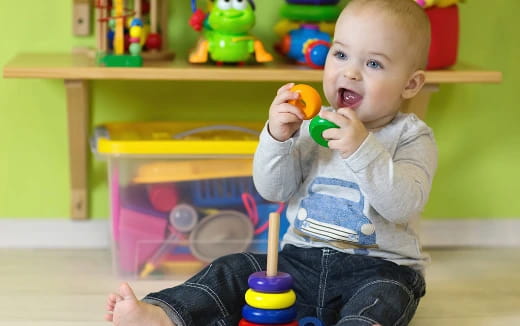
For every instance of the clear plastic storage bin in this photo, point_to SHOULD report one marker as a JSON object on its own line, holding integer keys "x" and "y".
{"x": 181, "y": 195}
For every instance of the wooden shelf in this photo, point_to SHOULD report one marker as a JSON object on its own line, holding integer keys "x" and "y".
{"x": 76, "y": 70}
{"x": 76, "y": 66}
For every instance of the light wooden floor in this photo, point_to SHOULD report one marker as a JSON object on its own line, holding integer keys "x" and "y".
{"x": 68, "y": 287}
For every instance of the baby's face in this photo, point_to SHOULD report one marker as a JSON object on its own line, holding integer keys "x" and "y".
{"x": 368, "y": 66}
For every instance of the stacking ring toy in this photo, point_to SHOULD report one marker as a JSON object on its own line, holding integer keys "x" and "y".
{"x": 316, "y": 128}
{"x": 310, "y": 321}
{"x": 274, "y": 316}
{"x": 244, "y": 322}
{"x": 264, "y": 300}
{"x": 259, "y": 281}
{"x": 309, "y": 102}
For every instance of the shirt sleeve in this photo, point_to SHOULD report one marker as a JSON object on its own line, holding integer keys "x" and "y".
{"x": 397, "y": 185}
{"x": 277, "y": 172}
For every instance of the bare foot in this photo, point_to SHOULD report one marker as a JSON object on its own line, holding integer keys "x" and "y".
{"x": 125, "y": 310}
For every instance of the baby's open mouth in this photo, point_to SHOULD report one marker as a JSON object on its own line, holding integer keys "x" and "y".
{"x": 348, "y": 98}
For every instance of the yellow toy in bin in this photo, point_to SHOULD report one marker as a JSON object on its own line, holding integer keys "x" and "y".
{"x": 155, "y": 167}
{"x": 165, "y": 171}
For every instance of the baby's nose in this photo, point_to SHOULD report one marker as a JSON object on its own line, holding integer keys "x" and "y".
{"x": 352, "y": 73}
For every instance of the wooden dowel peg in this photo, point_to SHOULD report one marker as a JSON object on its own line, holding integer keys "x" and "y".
{"x": 272, "y": 244}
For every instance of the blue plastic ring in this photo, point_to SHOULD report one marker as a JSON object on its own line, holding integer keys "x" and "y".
{"x": 271, "y": 316}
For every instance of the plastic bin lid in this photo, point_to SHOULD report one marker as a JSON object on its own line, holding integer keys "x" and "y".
{"x": 176, "y": 138}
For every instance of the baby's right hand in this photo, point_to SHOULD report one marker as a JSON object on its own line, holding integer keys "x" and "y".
{"x": 284, "y": 118}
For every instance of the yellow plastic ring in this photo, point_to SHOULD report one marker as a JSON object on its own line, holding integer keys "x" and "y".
{"x": 262, "y": 300}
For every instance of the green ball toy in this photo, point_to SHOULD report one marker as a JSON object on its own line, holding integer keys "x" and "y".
{"x": 316, "y": 128}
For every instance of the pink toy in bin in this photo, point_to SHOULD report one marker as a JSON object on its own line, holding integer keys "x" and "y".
{"x": 140, "y": 235}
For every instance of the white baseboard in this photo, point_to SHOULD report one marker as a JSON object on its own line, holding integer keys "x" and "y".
{"x": 59, "y": 233}
{"x": 53, "y": 233}
{"x": 470, "y": 232}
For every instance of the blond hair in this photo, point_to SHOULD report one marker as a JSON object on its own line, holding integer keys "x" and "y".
{"x": 410, "y": 17}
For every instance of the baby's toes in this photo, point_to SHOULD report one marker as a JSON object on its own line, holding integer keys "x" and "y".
{"x": 112, "y": 299}
{"x": 109, "y": 316}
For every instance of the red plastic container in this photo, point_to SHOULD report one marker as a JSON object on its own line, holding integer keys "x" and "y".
{"x": 445, "y": 36}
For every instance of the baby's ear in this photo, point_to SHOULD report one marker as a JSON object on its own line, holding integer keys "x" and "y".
{"x": 414, "y": 85}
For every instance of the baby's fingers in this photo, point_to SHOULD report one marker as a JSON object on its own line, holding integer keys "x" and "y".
{"x": 285, "y": 95}
{"x": 338, "y": 119}
{"x": 332, "y": 134}
{"x": 284, "y": 88}
{"x": 285, "y": 108}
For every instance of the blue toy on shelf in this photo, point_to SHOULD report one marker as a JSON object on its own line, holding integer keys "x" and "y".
{"x": 306, "y": 45}
{"x": 305, "y": 30}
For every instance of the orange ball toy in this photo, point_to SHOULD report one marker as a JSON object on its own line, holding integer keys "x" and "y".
{"x": 309, "y": 101}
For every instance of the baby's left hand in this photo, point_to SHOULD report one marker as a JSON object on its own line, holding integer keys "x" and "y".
{"x": 351, "y": 132}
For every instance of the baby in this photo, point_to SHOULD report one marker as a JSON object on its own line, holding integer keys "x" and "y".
{"x": 351, "y": 248}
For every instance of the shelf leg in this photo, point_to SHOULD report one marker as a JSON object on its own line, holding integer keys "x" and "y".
{"x": 419, "y": 104}
{"x": 78, "y": 120}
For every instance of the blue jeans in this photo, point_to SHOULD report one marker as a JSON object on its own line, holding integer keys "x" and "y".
{"x": 337, "y": 288}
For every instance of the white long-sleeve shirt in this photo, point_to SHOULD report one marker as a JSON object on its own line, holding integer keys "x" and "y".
{"x": 364, "y": 204}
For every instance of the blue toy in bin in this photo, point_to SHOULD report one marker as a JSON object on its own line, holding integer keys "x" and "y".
{"x": 261, "y": 223}
{"x": 223, "y": 192}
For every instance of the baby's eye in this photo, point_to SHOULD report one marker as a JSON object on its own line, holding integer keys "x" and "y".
{"x": 339, "y": 54}
{"x": 374, "y": 64}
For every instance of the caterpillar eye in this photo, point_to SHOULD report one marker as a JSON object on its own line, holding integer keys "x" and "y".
{"x": 224, "y": 4}
{"x": 240, "y": 4}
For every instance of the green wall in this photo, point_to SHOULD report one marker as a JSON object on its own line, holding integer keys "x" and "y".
{"x": 475, "y": 124}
